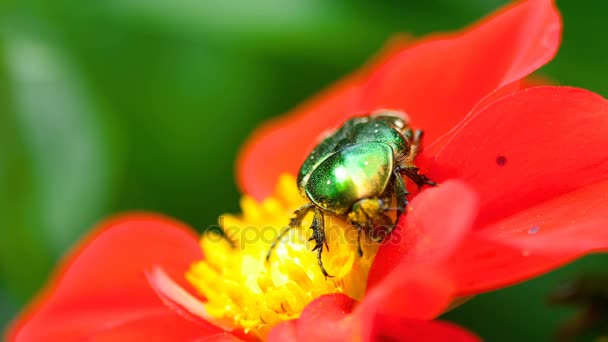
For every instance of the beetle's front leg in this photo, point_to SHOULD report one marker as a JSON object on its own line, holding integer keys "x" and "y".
{"x": 411, "y": 172}
{"x": 359, "y": 249}
{"x": 417, "y": 141}
{"x": 294, "y": 222}
{"x": 400, "y": 195}
{"x": 318, "y": 235}
{"x": 414, "y": 138}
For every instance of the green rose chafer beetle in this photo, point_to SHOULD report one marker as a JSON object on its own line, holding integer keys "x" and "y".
{"x": 356, "y": 173}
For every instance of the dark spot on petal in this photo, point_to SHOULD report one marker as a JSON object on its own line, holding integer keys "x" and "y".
{"x": 533, "y": 230}
{"x": 501, "y": 160}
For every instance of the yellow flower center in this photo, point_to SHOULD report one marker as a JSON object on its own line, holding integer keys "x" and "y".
{"x": 245, "y": 291}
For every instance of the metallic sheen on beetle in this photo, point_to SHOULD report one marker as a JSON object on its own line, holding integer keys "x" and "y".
{"x": 356, "y": 173}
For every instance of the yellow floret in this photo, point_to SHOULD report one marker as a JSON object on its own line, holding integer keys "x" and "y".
{"x": 245, "y": 291}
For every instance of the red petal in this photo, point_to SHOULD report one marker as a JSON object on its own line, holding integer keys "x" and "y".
{"x": 101, "y": 288}
{"x": 284, "y": 332}
{"x": 385, "y": 312}
{"x": 440, "y": 80}
{"x": 481, "y": 265}
{"x": 537, "y": 159}
{"x": 281, "y": 145}
{"x": 534, "y": 240}
{"x": 409, "y": 291}
{"x": 221, "y": 337}
{"x": 412, "y": 292}
{"x": 327, "y": 319}
{"x": 387, "y": 328}
{"x": 164, "y": 327}
{"x": 572, "y": 223}
{"x": 528, "y": 148}
{"x": 437, "y": 220}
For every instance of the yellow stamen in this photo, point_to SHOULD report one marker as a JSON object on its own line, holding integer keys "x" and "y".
{"x": 245, "y": 291}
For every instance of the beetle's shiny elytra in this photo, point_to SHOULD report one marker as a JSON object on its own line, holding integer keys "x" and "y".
{"x": 356, "y": 173}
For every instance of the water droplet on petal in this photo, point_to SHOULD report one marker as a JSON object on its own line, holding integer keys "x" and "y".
{"x": 533, "y": 230}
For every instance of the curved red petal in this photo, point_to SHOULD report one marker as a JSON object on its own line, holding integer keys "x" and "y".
{"x": 480, "y": 264}
{"x": 281, "y": 144}
{"x": 390, "y": 328}
{"x": 165, "y": 326}
{"x": 387, "y": 311}
{"x": 439, "y": 81}
{"x": 221, "y": 337}
{"x": 101, "y": 286}
{"x": 406, "y": 298}
{"x": 533, "y": 241}
{"x": 528, "y": 148}
{"x": 284, "y": 332}
{"x": 536, "y": 158}
{"x": 571, "y": 223}
{"x": 328, "y": 315}
{"x": 437, "y": 220}
{"x": 407, "y": 292}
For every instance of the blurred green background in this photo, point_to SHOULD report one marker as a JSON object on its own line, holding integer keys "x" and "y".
{"x": 115, "y": 105}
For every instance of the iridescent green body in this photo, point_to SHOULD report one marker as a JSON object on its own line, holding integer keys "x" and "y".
{"x": 356, "y": 131}
{"x": 356, "y": 173}
{"x": 354, "y": 163}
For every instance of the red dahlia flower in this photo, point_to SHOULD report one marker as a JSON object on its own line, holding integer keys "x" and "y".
{"x": 523, "y": 179}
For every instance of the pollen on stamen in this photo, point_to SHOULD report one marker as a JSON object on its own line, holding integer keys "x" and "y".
{"x": 253, "y": 294}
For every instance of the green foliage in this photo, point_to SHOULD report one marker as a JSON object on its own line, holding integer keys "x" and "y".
{"x": 115, "y": 105}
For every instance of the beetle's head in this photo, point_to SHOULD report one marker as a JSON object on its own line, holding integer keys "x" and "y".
{"x": 396, "y": 118}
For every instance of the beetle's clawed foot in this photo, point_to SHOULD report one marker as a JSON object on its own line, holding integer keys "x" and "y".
{"x": 319, "y": 242}
{"x": 424, "y": 180}
{"x": 319, "y": 248}
{"x": 320, "y": 261}
{"x": 318, "y": 236}
{"x": 412, "y": 172}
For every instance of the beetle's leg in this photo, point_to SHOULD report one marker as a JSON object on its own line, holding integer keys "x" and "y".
{"x": 417, "y": 142}
{"x": 407, "y": 166}
{"x": 397, "y": 186}
{"x": 414, "y": 139}
{"x": 318, "y": 235}
{"x": 400, "y": 195}
{"x": 411, "y": 172}
{"x": 408, "y": 134}
{"x": 294, "y": 222}
{"x": 359, "y": 249}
